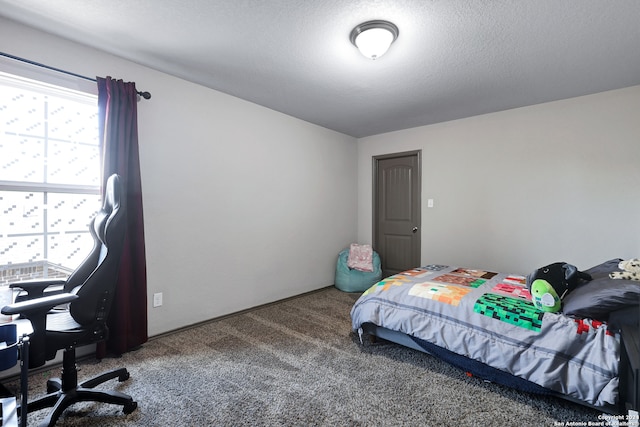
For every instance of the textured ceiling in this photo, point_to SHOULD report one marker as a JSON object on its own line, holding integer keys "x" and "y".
{"x": 452, "y": 59}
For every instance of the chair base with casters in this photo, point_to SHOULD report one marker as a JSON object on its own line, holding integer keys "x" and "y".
{"x": 66, "y": 391}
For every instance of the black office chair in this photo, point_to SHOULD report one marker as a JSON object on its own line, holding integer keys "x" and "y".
{"x": 77, "y": 314}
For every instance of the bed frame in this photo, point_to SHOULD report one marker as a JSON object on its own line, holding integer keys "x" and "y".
{"x": 630, "y": 361}
{"x": 626, "y": 321}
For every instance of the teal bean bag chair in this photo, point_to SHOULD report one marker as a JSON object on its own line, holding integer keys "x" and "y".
{"x": 351, "y": 280}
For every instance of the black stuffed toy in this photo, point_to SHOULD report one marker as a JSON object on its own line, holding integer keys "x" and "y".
{"x": 549, "y": 285}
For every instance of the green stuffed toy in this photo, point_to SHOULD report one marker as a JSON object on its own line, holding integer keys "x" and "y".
{"x": 549, "y": 285}
{"x": 544, "y": 297}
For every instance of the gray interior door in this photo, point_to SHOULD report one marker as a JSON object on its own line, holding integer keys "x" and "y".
{"x": 396, "y": 211}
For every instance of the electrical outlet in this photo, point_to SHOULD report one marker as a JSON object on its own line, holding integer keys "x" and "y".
{"x": 157, "y": 299}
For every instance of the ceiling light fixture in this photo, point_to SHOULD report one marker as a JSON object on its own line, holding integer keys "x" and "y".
{"x": 373, "y": 38}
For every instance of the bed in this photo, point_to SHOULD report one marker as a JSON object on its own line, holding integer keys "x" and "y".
{"x": 485, "y": 323}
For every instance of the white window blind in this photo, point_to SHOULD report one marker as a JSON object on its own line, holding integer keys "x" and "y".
{"x": 49, "y": 177}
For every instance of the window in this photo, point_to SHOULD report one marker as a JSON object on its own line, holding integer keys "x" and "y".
{"x": 49, "y": 177}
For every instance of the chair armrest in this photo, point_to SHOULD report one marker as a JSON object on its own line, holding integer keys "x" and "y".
{"x": 33, "y": 307}
{"x": 35, "y": 287}
{"x": 35, "y": 312}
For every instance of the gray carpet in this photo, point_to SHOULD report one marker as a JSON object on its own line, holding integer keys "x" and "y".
{"x": 296, "y": 363}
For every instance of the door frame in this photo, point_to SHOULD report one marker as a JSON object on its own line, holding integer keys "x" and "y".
{"x": 374, "y": 205}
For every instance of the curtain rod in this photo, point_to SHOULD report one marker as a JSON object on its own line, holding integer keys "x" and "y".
{"x": 145, "y": 95}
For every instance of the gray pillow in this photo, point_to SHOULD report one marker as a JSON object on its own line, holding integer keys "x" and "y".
{"x": 602, "y": 295}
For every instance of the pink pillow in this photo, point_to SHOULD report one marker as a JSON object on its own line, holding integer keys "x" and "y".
{"x": 360, "y": 257}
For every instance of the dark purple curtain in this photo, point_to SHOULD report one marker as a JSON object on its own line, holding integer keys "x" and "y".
{"x": 117, "y": 102}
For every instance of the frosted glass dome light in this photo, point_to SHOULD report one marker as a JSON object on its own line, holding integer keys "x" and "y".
{"x": 373, "y": 38}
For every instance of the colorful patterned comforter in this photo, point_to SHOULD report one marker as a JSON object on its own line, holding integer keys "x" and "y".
{"x": 489, "y": 317}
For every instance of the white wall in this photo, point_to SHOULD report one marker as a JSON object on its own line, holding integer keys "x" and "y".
{"x": 519, "y": 189}
{"x": 243, "y": 205}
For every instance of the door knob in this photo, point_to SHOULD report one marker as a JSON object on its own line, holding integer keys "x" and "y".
{"x": 414, "y": 229}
